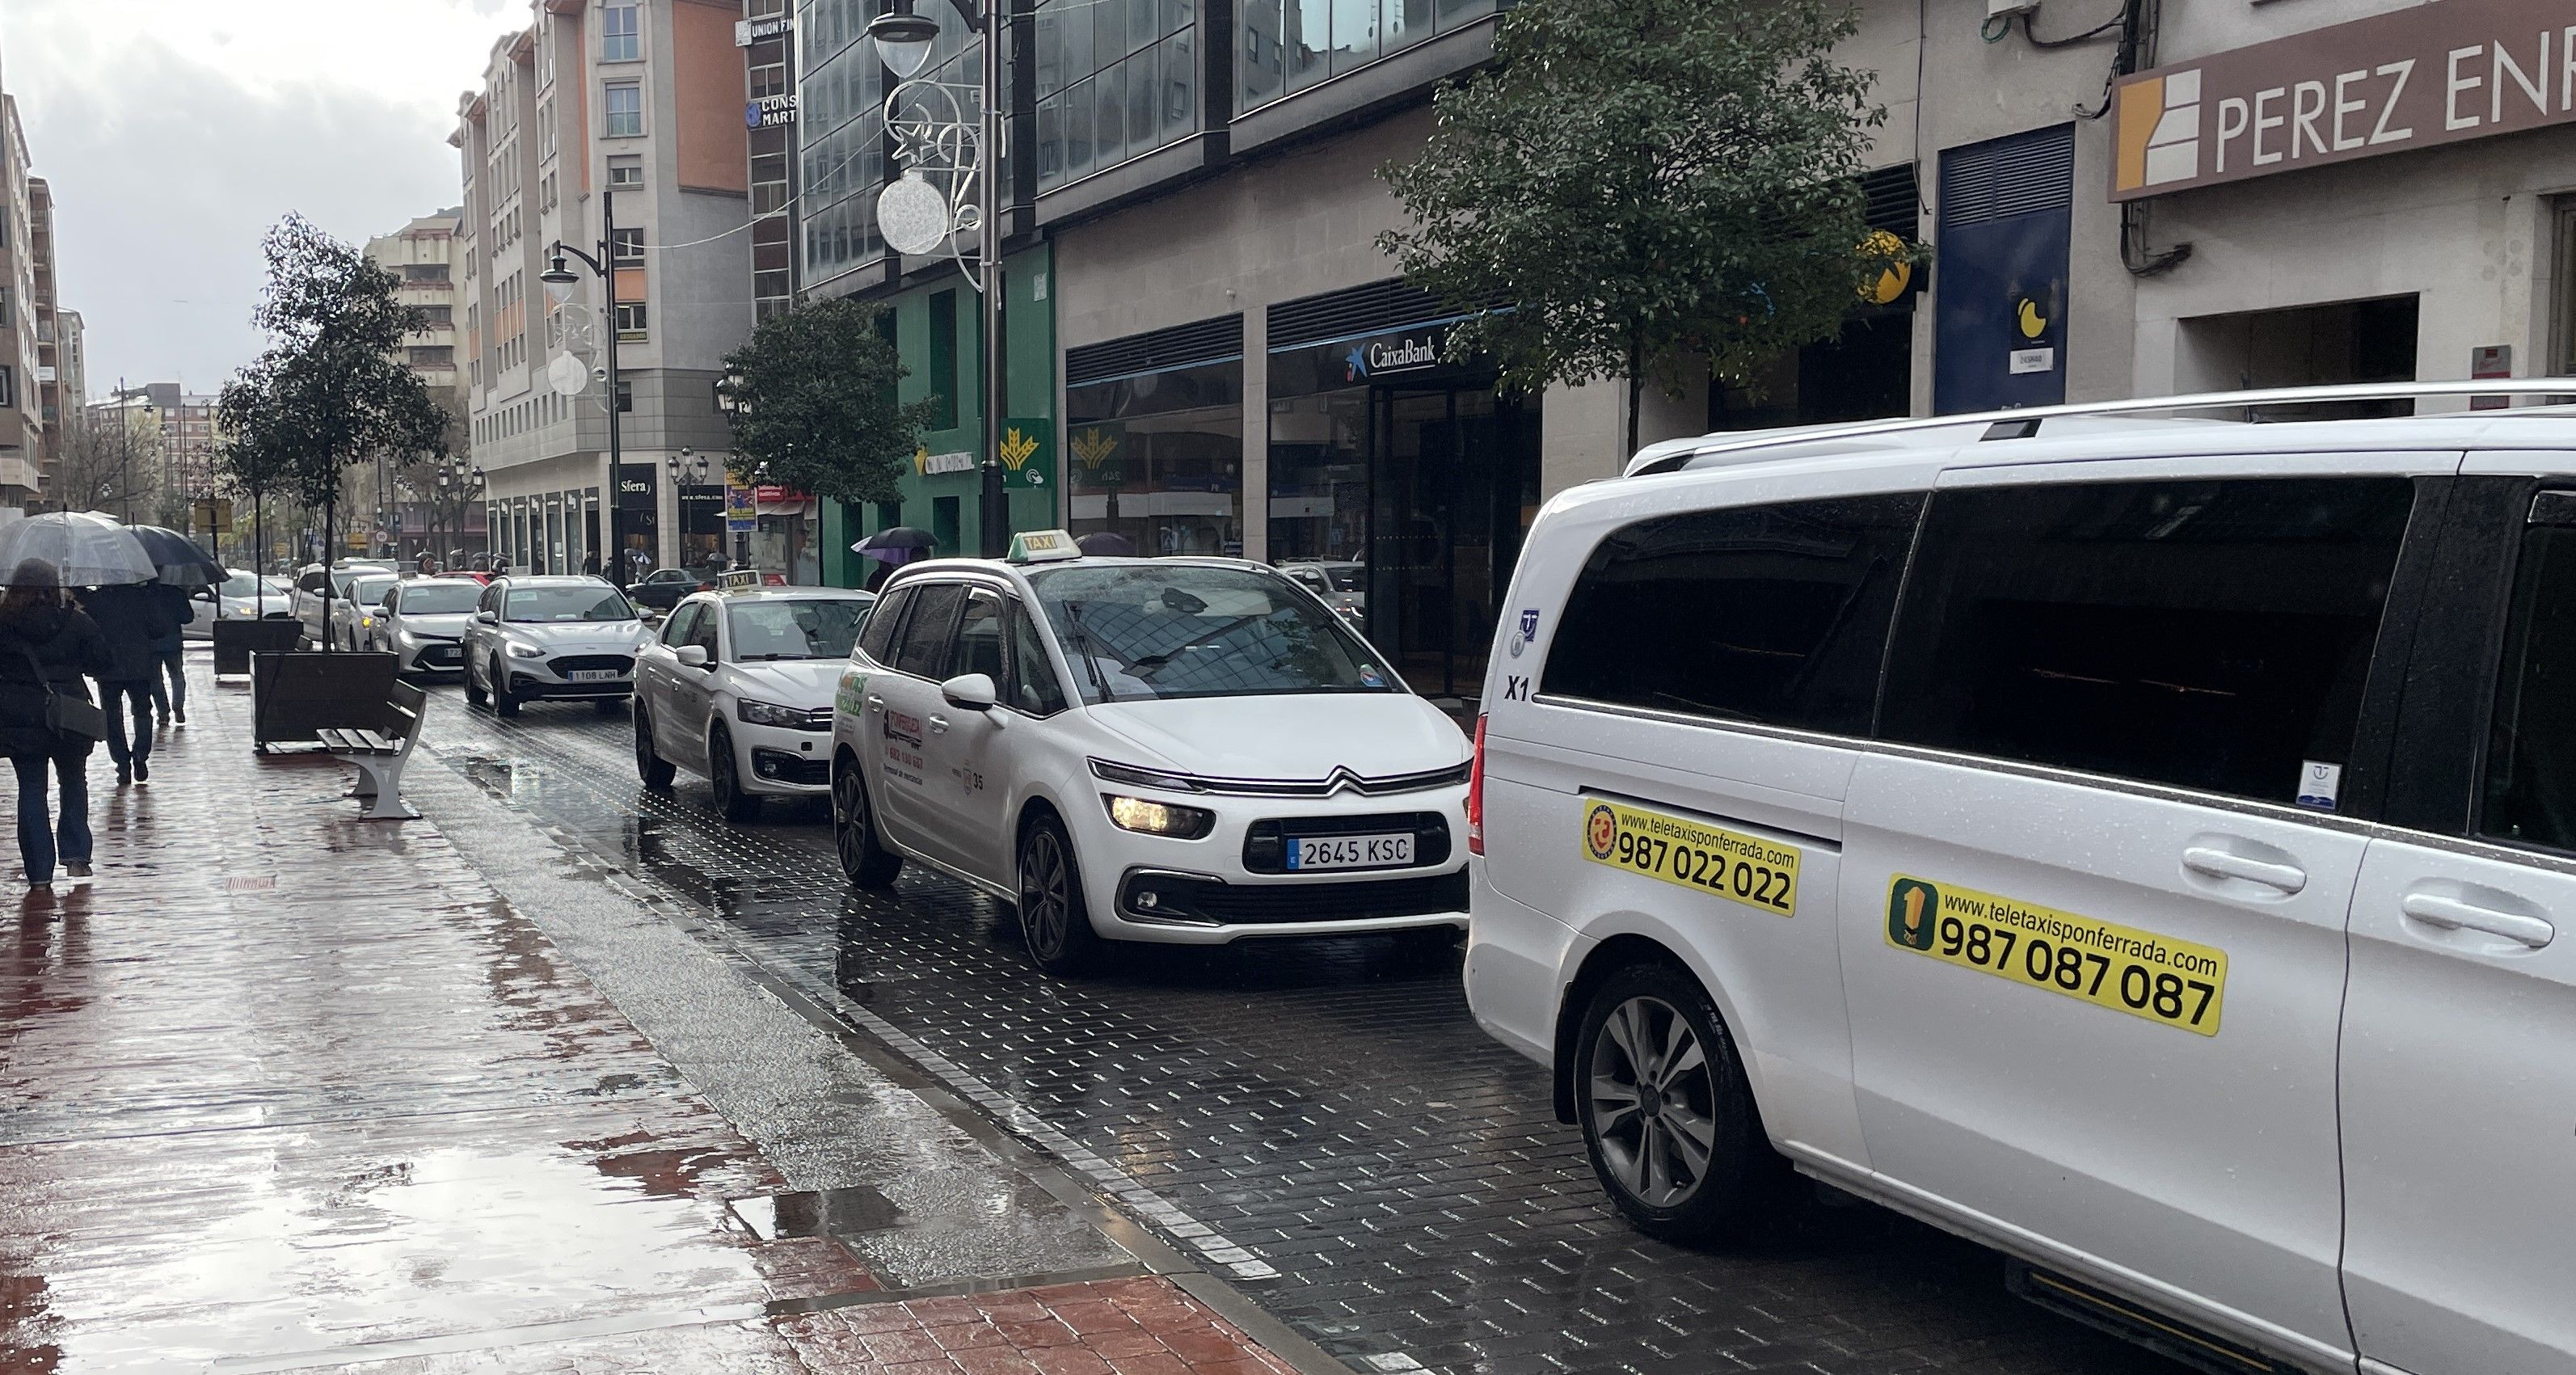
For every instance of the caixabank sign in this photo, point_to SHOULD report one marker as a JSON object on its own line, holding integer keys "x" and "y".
{"x": 2413, "y": 78}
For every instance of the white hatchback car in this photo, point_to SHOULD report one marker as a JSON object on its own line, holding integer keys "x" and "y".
{"x": 1179, "y": 750}
{"x": 2142, "y": 852}
{"x": 738, "y": 687}
{"x": 422, "y": 622}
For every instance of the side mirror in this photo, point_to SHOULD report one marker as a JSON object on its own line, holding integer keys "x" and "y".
{"x": 693, "y": 656}
{"x": 488, "y": 617}
{"x": 971, "y": 691}
{"x": 202, "y": 594}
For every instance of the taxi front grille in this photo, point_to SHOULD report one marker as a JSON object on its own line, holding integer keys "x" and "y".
{"x": 1208, "y": 901}
{"x": 1265, "y": 849}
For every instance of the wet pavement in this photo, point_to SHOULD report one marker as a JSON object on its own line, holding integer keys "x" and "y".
{"x": 286, "y": 1090}
{"x": 1320, "y": 1123}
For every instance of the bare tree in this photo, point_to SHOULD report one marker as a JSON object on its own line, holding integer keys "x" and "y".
{"x": 112, "y": 464}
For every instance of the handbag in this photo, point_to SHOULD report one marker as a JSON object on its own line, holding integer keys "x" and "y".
{"x": 77, "y": 716}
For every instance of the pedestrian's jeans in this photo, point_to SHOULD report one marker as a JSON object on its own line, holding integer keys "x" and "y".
{"x": 35, "y": 830}
{"x": 113, "y": 698}
{"x": 172, "y": 699}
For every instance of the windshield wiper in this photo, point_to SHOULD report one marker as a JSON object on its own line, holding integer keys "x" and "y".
{"x": 1083, "y": 645}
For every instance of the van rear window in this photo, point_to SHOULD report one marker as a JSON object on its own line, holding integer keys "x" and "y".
{"x": 1772, "y": 614}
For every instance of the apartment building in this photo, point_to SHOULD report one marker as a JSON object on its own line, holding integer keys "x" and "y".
{"x": 601, "y": 118}
{"x": 423, "y": 255}
{"x": 71, "y": 373}
{"x": 22, "y": 417}
{"x": 187, "y": 425}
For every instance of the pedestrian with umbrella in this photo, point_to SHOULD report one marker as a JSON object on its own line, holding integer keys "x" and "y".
{"x": 95, "y": 552}
{"x": 892, "y": 548}
{"x": 47, "y": 721}
{"x": 179, "y": 567}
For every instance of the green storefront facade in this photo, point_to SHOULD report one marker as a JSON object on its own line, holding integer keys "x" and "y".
{"x": 938, "y": 327}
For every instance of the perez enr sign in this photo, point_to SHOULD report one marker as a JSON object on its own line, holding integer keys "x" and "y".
{"x": 2414, "y": 78}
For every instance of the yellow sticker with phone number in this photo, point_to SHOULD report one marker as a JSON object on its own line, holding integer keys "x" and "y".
{"x": 2108, "y": 965}
{"x": 1712, "y": 860}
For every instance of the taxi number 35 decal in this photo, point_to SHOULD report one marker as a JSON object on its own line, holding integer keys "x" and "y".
{"x": 2122, "y": 968}
{"x": 1692, "y": 854}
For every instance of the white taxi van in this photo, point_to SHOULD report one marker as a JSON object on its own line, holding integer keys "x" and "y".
{"x": 1177, "y": 750}
{"x": 2149, "y": 851}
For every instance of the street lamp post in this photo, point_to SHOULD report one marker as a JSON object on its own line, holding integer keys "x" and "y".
{"x": 903, "y": 41}
{"x": 688, "y": 470}
{"x": 559, "y": 282}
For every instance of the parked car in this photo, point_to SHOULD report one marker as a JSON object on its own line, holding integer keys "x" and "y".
{"x": 357, "y": 614}
{"x": 312, "y": 578}
{"x": 550, "y": 636}
{"x": 241, "y": 597}
{"x": 664, "y": 589}
{"x": 738, "y": 688}
{"x": 423, "y": 622}
{"x": 2141, "y": 852}
{"x": 1180, "y": 750}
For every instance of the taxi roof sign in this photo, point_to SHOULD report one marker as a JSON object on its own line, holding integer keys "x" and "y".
{"x": 1042, "y": 546}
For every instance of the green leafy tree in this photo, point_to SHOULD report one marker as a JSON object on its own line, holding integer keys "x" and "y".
{"x": 1643, "y": 183}
{"x": 814, "y": 391}
{"x": 330, "y": 390}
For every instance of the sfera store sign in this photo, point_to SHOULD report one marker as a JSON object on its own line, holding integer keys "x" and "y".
{"x": 2420, "y": 77}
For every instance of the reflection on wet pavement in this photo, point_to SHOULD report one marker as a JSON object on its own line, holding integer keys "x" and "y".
{"x": 1326, "y": 1109}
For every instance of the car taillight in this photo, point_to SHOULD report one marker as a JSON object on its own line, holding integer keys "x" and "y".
{"x": 1476, "y": 793}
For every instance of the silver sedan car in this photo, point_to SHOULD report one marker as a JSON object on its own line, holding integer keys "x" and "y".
{"x": 543, "y": 637}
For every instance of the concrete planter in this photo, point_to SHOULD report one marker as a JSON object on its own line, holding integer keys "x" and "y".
{"x": 236, "y": 641}
{"x": 296, "y": 693}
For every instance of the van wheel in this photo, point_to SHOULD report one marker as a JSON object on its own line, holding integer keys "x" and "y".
{"x": 864, "y": 859}
{"x": 1053, "y": 917}
{"x": 1668, "y": 1118}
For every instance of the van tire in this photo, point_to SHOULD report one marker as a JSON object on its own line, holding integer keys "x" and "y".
{"x": 1640, "y": 1154}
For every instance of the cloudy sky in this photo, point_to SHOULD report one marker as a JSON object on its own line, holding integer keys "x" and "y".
{"x": 175, "y": 131}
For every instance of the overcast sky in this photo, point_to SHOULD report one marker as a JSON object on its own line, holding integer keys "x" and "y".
{"x": 175, "y": 131}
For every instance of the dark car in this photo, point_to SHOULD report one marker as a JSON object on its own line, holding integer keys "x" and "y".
{"x": 665, "y": 588}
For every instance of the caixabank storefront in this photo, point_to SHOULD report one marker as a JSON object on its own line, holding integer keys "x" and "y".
{"x": 2392, "y": 197}
{"x": 1411, "y": 478}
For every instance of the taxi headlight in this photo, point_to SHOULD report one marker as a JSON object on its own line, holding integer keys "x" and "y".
{"x": 769, "y": 714}
{"x": 1159, "y": 818}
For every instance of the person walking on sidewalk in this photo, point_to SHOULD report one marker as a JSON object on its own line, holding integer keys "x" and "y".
{"x": 132, "y": 620}
{"x": 46, "y": 646}
{"x": 169, "y": 654}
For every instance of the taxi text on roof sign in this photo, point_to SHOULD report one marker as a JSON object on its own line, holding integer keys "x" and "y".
{"x": 1042, "y": 546}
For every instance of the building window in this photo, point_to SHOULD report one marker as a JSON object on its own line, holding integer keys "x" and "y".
{"x": 625, "y": 111}
{"x": 1289, "y": 45}
{"x": 630, "y": 323}
{"x": 1113, "y": 82}
{"x": 6, "y": 320}
{"x": 424, "y": 272}
{"x": 1158, "y": 458}
{"x": 943, "y": 358}
{"x": 625, "y": 395}
{"x": 439, "y": 315}
{"x": 2564, "y": 316}
{"x": 626, "y": 246}
{"x": 8, "y": 387}
{"x": 433, "y": 356}
{"x": 546, "y": 193}
{"x": 619, "y": 39}
{"x": 625, "y": 170}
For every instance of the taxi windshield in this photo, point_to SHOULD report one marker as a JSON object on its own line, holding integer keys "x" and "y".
{"x": 370, "y": 591}
{"x": 1138, "y": 632}
{"x": 540, "y": 605}
{"x": 806, "y": 628}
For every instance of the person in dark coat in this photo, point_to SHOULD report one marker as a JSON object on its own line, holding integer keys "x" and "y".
{"x": 169, "y": 655}
{"x": 45, "y": 644}
{"x": 131, "y": 618}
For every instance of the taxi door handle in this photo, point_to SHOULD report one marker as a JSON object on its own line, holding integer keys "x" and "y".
{"x": 939, "y": 725}
{"x": 2451, "y": 914}
{"x": 875, "y": 703}
{"x": 2212, "y": 862}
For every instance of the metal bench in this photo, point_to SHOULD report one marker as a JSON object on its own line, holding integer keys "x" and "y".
{"x": 379, "y": 752}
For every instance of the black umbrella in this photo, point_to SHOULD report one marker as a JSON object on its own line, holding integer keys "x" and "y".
{"x": 178, "y": 560}
{"x": 897, "y": 544}
{"x": 1106, "y": 544}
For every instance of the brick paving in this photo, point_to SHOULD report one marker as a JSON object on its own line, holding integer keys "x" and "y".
{"x": 288, "y": 1090}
